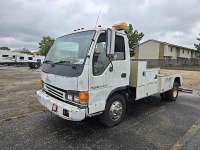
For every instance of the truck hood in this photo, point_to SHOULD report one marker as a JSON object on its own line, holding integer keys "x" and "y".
{"x": 63, "y": 82}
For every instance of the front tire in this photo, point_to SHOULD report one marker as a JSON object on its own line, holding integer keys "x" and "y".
{"x": 114, "y": 111}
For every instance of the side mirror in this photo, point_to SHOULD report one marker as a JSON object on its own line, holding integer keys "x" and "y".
{"x": 110, "y": 42}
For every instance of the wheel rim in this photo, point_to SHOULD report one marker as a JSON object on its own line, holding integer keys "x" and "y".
{"x": 175, "y": 91}
{"x": 115, "y": 110}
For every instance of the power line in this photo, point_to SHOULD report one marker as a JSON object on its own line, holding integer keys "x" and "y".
{"x": 172, "y": 26}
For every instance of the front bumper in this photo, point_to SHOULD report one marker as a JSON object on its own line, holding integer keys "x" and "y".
{"x": 74, "y": 113}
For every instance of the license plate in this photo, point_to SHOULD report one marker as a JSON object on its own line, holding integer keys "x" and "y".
{"x": 54, "y": 107}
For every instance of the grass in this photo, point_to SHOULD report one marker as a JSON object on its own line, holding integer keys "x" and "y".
{"x": 187, "y": 68}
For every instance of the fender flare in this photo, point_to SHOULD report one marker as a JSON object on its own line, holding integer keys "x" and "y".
{"x": 115, "y": 90}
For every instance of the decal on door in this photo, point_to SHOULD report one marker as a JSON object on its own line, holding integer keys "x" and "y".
{"x": 98, "y": 87}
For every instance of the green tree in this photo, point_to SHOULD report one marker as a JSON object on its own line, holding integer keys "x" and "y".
{"x": 25, "y": 50}
{"x": 45, "y": 44}
{"x": 134, "y": 38}
{"x": 197, "y": 46}
{"x": 4, "y": 48}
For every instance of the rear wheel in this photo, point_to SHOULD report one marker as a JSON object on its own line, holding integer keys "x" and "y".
{"x": 163, "y": 96}
{"x": 114, "y": 111}
{"x": 173, "y": 93}
{"x": 36, "y": 65}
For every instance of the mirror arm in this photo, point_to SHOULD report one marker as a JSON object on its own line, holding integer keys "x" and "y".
{"x": 111, "y": 68}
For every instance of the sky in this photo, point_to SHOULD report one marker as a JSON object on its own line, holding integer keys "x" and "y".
{"x": 23, "y": 23}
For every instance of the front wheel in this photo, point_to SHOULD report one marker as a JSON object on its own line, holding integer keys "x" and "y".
{"x": 114, "y": 111}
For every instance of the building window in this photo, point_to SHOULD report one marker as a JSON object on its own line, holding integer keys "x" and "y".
{"x": 188, "y": 52}
{"x": 4, "y": 55}
{"x": 183, "y": 51}
{"x": 30, "y": 58}
{"x": 171, "y": 49}
{"x": 21, "y": 58}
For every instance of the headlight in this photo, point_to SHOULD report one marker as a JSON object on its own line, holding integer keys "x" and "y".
{"x": 70, "y": 97}
{"x": 81, "y": 97}
{"x": 76, "y": 99}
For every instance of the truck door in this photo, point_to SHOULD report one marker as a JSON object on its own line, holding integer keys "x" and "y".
{"x": 104, "y": 76}
{"x": 121, "y": 66}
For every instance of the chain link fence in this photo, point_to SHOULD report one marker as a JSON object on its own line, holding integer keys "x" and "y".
{"x": 171, "y": 62}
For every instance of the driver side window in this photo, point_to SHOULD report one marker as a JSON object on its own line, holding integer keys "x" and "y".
{"x": 100, "y": 60}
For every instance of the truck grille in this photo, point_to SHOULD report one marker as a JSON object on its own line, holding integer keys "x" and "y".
{"x": 55, "y": 92}
{"x": 61, "y": 94}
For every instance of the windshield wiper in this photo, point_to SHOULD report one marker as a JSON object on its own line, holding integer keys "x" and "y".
{"x": 49, "y": 61}
{"x": 63, "y": 61}
{"x": 59, "y": 62}
{"x": 66, "y": 61}
{"x": 46, "y": 61}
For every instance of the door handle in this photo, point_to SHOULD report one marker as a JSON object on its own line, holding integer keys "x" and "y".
{"x": 123, "y": 75}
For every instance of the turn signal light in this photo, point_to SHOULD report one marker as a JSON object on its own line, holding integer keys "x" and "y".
{"x": 83, "y": 96}
{"x": 41, "y": 81}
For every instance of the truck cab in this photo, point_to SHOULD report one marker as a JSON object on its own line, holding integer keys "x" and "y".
{"x": 88, "y": 73}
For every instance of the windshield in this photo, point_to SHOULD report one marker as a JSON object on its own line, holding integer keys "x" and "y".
{"x": 70, "y": 48}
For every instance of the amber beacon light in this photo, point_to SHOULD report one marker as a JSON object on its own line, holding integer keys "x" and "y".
{"x": 120, "y": 26}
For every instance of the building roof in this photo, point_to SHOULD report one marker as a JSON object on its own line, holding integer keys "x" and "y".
{"x": 168, "y": 44}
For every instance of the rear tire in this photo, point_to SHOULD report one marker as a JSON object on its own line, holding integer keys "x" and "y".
{"x": 114, "y": 111}
{"x": 173, "y": 93}
{"x": 36, "y": 65}
{"x": 163, "y": 96}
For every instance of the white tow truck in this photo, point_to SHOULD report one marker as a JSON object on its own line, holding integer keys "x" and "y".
{"x": 89, "y": 72}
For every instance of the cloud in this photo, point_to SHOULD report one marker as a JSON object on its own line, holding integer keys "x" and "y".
{"x": 24, "y": 22}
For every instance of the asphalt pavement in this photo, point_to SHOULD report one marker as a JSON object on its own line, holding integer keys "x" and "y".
{"x": 152, "y": 124}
